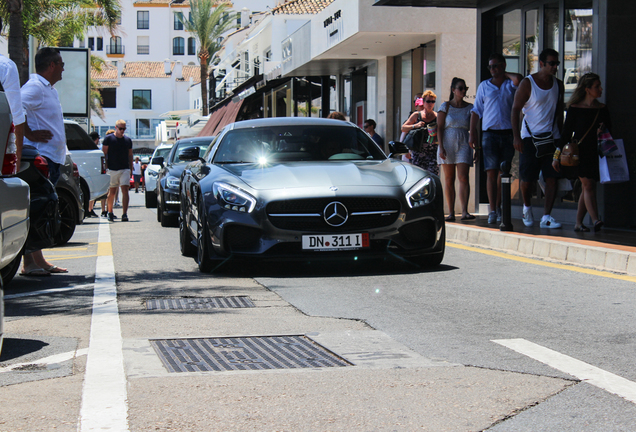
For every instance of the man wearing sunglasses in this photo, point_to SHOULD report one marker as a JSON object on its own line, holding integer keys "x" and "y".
{"x": 493, "y": 105}
{"x": 540, "y": 98}
{"x": 119, "y": 156}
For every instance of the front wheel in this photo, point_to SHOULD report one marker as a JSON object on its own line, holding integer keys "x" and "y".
{"x": 68, "y": 216}
{"x": 185, "y": 240}
{"x": 204, "y": 261}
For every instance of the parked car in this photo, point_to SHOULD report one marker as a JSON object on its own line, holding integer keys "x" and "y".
{"x": 14, "y": 204}
{"x": 304, "y": 189}
{"x": 90, "y": 161}
{"x": 150, "y": 175}
{"x": 168, "y": 204}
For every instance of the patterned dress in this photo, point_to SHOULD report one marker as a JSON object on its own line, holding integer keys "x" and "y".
{"x": 427, "y": 158}
{"x": 457, "y": 125}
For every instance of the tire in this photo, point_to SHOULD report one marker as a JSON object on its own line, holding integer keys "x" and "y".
{"x": 9, "y": 271}
{"x": 185, "y": 239}
{"x": 87, "y": 195}
{"x": 159, "y": 212}
{"x": 432, "y": 260}
{"x": 203, "y": 259}
{"x": 151, "y": 199}
{"x": 68, "y": 216}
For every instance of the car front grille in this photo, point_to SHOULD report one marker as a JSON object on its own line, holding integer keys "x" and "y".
{"x": 308, "y": 214}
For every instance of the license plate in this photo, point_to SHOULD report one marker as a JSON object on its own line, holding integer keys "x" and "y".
{"x": 333, "y": 242}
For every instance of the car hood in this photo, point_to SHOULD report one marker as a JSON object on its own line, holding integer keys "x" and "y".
{"x": 313, "y": 174}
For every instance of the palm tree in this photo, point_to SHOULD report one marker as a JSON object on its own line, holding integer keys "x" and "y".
{"x": 53, "y": 23}
{"x": 209, "y": 21}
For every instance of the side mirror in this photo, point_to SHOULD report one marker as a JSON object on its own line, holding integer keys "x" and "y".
{"x": 189, "y": 154}
{"x": 157, "y": 160}
{"x": 397, "y": 148}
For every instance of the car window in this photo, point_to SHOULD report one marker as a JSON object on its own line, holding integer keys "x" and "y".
{"x": 296, "y": 143}
{"x": 77, "y": 138}
{"x": 203, "y": 146}
{"x": 162, "y": 152}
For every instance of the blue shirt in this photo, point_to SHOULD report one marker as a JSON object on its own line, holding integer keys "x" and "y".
{"x": 493, "y": 104}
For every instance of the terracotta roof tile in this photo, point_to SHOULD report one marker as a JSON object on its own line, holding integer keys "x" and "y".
{"x": 297, "y": 7}
{"x": 108, "y": 76}
{"x": 174, "y": 3}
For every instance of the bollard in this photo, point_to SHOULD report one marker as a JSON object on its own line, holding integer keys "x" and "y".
{"x": 506, "y": 220}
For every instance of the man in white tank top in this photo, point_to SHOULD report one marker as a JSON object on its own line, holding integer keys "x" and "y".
{"x": 540, "y": 97}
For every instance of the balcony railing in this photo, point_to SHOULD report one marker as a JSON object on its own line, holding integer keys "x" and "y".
{"x": 143, "y": 49}
{"x": 115, "y": 49}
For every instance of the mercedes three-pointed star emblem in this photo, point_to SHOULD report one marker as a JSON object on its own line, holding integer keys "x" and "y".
{"x": 335, "y": 214}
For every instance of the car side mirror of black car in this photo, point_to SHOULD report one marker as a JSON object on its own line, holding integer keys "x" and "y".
{"x": 157, "y": 160}
{"x": 190, "y": 154}
{"x": 397, "y": 148}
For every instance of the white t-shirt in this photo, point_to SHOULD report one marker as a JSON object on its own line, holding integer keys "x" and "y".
{"x": 136, "y": 168}
{"x": 11, "y": 83}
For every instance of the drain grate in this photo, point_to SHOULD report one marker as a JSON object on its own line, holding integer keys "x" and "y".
{"x": 244, "y": 353}
{"x": 200, "y": 303}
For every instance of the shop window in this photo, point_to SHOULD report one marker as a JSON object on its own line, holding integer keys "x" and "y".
{"x": 508, "y": 40}
{"x": 429, "y": 67}
{"x": 577, "y": 56}
{"x": 142, "y": 99}
{"x": 532, "y": 41}
{"x": 143, "y": 20}
{"x": 551, "y": 26}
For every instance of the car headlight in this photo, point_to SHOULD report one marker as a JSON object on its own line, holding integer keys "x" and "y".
{"x": 233, "y": 198}
{"x": 422, "y": 193}
{"x": 152, "y": 173}
{"x": 172, "y": 182}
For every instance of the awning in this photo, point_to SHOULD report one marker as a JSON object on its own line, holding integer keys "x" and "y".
{"x": 231, "y": 110}
{"x": 213, "y": 121}
{"x": 179, "y": 113}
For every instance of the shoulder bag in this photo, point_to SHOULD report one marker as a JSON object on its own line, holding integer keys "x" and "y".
{"x": 414, "y": 140}
{"x": 570, "y": 152}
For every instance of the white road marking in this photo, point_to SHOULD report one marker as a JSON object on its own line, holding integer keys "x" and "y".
{"x": 48, "y": 291}
{"x": 571, "y": 366}
{"x": 49, "y": 361}
{"x": 104, "y": 399}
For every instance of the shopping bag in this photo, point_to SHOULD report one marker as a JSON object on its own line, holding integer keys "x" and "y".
{"x": 606, "y": 144}
{"x": 613, "y": 167}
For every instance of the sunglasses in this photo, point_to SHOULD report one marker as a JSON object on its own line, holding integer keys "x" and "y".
{"x": 553, "y": 63}
{"x": 494, "y": 66}
{"x": 461, "y": 88}
{"x": 430, "y": 101}
{"x": 120, "y": 128}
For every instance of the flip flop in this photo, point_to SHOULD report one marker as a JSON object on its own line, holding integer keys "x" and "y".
{"x": 468, "y": 217}
{"x": 598, "y": 225}
{"x": 35, "y": 272}
{"x": 55, "y": 269}
{"x": 450, "y": 218}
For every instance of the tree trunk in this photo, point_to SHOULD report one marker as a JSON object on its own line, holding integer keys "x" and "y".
{"x": 203, "y": 60}
{"x": 17, "y": 51}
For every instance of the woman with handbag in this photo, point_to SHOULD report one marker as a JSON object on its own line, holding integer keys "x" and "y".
{"x": 425, "y": 153}
{"x": 455, "y": 155}
{"x": 585, "y": 116}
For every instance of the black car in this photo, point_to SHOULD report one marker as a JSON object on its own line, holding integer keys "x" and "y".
{"x": 306, "y": 189}
{"x": 70, "y": 200}
{"x": 169, "y": 176}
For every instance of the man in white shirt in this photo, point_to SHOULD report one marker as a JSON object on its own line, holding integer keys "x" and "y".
{"x": 10, "y": 82}
{"x": 44, "y": 129}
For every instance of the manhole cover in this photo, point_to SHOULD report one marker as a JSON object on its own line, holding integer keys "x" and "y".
{"x": 243, "y": 353}
{"x": 200, "y": 303}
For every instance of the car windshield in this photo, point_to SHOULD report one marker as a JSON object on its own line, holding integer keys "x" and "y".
{"x": 162, "y": 152}
{"x": 203, "y": 146}
{"x": 296, "y": 143}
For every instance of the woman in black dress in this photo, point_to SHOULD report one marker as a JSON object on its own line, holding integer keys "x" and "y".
{"x": 585, "y": 113}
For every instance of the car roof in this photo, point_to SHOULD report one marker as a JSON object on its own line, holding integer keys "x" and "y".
{"x": 290, "y": 121}
{"x": 196, "y": 139}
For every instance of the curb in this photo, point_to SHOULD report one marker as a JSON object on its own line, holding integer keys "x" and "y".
{"x": 599, "y": 258}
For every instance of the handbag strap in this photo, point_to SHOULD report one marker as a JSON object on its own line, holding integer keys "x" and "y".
{"x": 591, "y": 126}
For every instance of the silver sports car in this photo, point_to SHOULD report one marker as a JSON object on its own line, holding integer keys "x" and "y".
{"x": 304, "y": 189}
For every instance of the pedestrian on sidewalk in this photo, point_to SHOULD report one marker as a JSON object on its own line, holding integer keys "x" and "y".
{"x": 137, "y": 173}
{"x": 421, "y": 118}
{"x": 44, "y": 130}
{"x": 540, "y": 97}
{"x": 119, "y": 155}
{"x": 91, "y": 205}
{"x": 455, "y": 153}
{"x": 586, "y": 116}
{"x": 369, "y": 128}
{"x": 493, "y": 105}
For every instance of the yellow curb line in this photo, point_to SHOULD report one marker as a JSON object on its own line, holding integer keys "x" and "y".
{"x": 571, "y": 267}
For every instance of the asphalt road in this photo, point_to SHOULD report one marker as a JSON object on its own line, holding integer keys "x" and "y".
{"x": 420, "y": 343}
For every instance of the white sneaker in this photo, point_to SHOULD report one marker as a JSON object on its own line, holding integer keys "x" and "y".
{"x": 549, "y": 222}
{"x": 528, "y": 219}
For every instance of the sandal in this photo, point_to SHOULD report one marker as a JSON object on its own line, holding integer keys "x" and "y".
{"x": 55, "y": 269}
{"x": 468, "y": 217}
{"x": 581, "y": 228}
{"x": 450, "y": 218}
{"x": 34, "y": 272}
{"x": 598, "y": 225}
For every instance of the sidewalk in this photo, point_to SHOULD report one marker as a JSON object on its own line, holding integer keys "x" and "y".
{"x": 609, "y": 249}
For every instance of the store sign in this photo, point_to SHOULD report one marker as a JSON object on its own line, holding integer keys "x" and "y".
{"x": 333, "y": 27}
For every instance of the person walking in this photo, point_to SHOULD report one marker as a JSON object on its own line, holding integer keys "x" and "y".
{"x": 119, "y": 156}
{"x": 424, "y": 116}
{"x": 493, "y": 105}
{"x": 137, "y": 173}
{"x": 455, "y": 153}
{"x": 91, "y": 205}
{"x": 369, "y": 128}
{"x": 44, "y": 130}
{"x": 586, "y": 116}
{"x": 540, "y": 97}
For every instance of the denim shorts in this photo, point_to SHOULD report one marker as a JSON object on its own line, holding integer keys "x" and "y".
{"x": 530, "y": 164}
{"x": 497, "y": 147}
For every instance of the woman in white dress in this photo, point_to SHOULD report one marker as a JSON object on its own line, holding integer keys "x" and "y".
{"x": 455, "y": 154}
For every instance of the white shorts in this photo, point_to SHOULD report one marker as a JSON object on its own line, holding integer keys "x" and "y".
{"x": 119, "y": 178}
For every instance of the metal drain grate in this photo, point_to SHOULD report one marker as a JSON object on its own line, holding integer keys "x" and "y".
{"x": 200, "y": 303}
{"x": 244, "y": 353}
